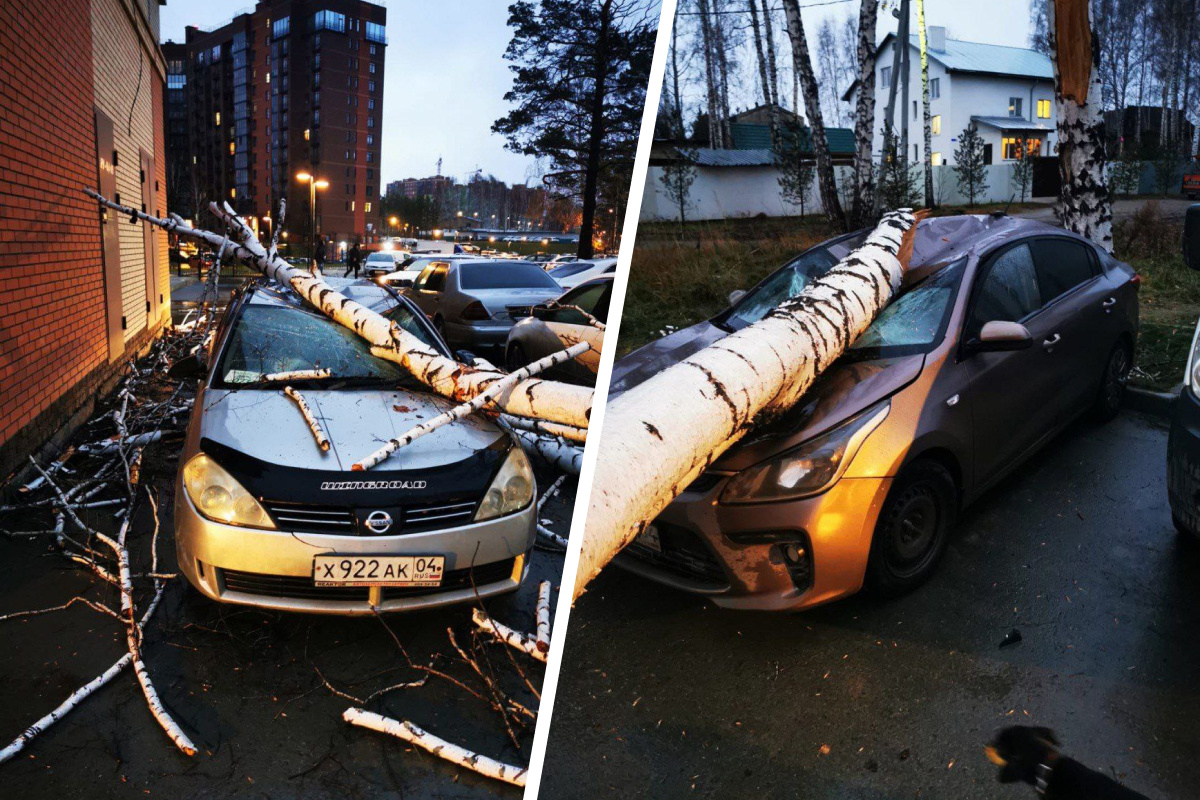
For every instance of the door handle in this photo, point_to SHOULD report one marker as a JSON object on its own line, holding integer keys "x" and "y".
{"x": 1108, "y": 304}
{"x": 1049, "y": 343}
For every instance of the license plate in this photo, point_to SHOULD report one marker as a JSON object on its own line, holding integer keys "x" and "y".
{"x": 332, "y": 570}
{"x": 650, "y": 539}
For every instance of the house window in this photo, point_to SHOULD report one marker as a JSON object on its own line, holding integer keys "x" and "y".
{"x": 1043, "y": 110}
{"x": 1012, "y": 147}
{"x": 935, "y": 125}
{"x": 367, "y": 207}
{"x": 935, "y": 88}
{"x": 935, "y": 159}
{"x": 914, "y": 109}
{"x": 1014, "y": 106}
{"x": 885, "y": 77}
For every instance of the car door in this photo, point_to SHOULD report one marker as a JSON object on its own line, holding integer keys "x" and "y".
{"x": 428, "y": 287}
{"x": 1014, "y": 394}
{"x": 570, "y": 327}
{"x": 1073, "y": 294}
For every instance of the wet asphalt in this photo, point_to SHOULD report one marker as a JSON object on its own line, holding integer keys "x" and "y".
{"x": 663, "y": 696}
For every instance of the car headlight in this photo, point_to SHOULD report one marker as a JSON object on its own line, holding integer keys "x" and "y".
{"x": 808, "y": 469}
{"x": 219, "y": 497}
{"x": 511, "y": 490}
{"x": 1190, "y": 378}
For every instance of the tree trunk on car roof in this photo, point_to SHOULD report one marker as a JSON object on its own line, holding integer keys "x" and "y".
{"x": 661, "y": 435}
{"x": 863, "y": 206}
{"x": 826, "y": 183}
{"x": 1084, "y": 205}
{"x": 548, "y": 400}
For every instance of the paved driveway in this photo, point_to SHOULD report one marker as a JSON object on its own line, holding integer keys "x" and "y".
{"x": 1171, "y": 209}
{"x": 663, "y": 696}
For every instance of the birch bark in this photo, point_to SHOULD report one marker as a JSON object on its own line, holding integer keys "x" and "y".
{"x": 661, "y": 435}
{"x": 863, "y": 205}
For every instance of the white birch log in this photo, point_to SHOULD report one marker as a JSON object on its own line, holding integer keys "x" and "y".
{"x": 1084, "y": 204}
{"x": 515, "y": 639}
{"x": 114, "y": 443}
{"x": 570, "y": 334}
{"x": 542, "y": 642}
{"x": 552, "y": 537}
{"x": 54, "y": 467}
{"x": 297, "y": 375}
{"x": 550, "y": 400}
{"x": 662, "y": 434}
{"x": 403, "y": 729}
{"x": 474, "y": 404}
{"x": 314, "y": 424}
{"x": 563, "y": 455}
{"x": 538, "y": 426}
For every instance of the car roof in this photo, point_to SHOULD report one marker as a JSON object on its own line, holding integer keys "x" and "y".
{"x": 360, "y": 290}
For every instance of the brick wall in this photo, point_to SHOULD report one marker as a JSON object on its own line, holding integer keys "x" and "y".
{"x": 53, "y": 341}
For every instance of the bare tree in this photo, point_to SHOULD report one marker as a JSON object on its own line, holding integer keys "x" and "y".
{"x": 826, "y": 184}
{"x": 766, "y": 71}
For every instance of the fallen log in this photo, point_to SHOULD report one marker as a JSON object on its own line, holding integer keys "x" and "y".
{"x": 314, "y": 424}
{"x": 542, "y": 642}
{"x": 662, "y": 434}
{"x": 515, "y": 639}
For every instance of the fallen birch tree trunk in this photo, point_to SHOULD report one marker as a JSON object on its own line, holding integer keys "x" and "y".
{"x": 570, "y": 334}
{"x": 474, "y": 404}
{"x": 569, "y": 432}
{"x": 563, "y": 455}
{"x": 549, "y": 400}
{"x": 515, "y": 639}
{"x": 410, "y": 733}
{"x": 543, "y": 617}
{"x": 662, "y": 434}
{"x": 296, "y": 375}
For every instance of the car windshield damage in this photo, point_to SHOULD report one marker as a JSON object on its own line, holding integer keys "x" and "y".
{"x": 489, "y": 275}
{"x": 272, "y": 339}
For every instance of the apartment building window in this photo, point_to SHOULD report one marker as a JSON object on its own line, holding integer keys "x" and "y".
{"x": 316, "y": 60}
{"x": 370, "y": 139}
{"x": 370, "y": 122}
{"x": 372, "y": 68}
{"x": 935, "y": 124}
{"x": 316, "y": 102}
{"x": 885, "y": 78}
{"x": 370, "y": 103}
{"x": 316, "y": 41}
{"x": 281, "y": 27}
{"x": 216, "y": 53}
{"x": 307, "y": 134}
{"x": 329, "y": 21}
{"x": 1014, "y": 106}
{"x": 176, "y": 81}
{"x": 316, "y": 79}
{"x": 217, "y": 119}
{"x": 935, "y": 88}
{"x": 366, "y": 208}
{"x": 370, "y": 157}
{"x": 1043, "y": 109}
{"x": 375, "y": 33}
{"x": 371, "y": 50}
{"x": 370, "y": 86}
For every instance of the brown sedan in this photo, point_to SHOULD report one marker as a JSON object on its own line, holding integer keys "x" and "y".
{"x": 1005, "y": 331}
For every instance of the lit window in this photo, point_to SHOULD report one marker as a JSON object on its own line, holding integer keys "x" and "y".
{"x": 367, "y": 208}
{"x": 935, "y": 125}
{"x": 307, "y": 134}
{"x": 935, "y": 159}
{"x": 232, "y": 148}
{"x": 217, "y": 120}
{"x": 1043, "y": 110}
{"x": 1013, "y": 147}
{"x": 352, "y": 205}
{"x": 233, "y": 194}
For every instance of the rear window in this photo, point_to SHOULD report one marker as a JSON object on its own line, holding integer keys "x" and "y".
{"x": 499, "y": 275}
{"x": 567, "y": 270}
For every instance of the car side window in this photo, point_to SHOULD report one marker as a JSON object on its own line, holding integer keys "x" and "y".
{"x": 588, "y": 297}
{"x": 404, "y": 317}
{"x": 423, "y": 278}
{"x": 1062, "y": 264}
{"x": 1009, "y": 292}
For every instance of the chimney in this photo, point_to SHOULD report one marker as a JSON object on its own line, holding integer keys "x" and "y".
{"x": 937, "y": 38}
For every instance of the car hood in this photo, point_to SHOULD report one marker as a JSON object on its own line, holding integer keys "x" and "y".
{"x": 842, "y": 391}
{"x": 266, "y": 425}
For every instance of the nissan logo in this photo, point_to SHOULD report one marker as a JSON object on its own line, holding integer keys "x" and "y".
{"x": 379, "y": 522}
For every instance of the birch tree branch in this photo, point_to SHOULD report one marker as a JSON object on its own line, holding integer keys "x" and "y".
{"x": 515, "y": 639}
{"x": 314, "y": 424}
{"x": 542, "y": 641}
{"x": 662, "y": 434}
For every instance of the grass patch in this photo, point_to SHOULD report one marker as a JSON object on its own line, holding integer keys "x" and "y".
{"x": 678, "y": 278}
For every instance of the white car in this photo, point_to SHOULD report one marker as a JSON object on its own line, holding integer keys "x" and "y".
{"x": 386, "y": 260}
{"x": 412, "y": 266}
{"x": 574, "y": 273}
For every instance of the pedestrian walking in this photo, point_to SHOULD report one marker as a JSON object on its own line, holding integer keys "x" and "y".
{"x": 319, "y": 255}
{"x": 353, "y": 260}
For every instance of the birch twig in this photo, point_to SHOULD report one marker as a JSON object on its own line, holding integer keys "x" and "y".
{"x": 515, "y": 639}
{"x": 297, "y": 375}
{"x": 314, "y": 424}
{"x": 453, "y": 753}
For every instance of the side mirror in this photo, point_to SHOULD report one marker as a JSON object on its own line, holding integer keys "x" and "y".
{"x": 465, "y": 356}
{"x": 190, "y": 366}
{"x": 1000, "y": 336}
{"x": 1191, "y": 237}
{"x": 735, "y": 295}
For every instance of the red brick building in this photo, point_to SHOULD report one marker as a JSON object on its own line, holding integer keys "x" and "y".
{"x": 81, "y": 105}
{"x": 294, "y": 86}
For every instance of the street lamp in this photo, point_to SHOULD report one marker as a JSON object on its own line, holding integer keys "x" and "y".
{"x": 313, "y": 185}
{"x": 394, "y": 222}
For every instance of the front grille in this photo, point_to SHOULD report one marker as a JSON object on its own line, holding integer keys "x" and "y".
{"x": 683, "y": 553}
{"x": 429, "y": 516}
{"x": 302, "y": 588}
{"x": 312, "y": 519}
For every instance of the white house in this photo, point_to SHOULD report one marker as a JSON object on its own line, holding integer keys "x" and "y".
{"x": 1008, "y": 92}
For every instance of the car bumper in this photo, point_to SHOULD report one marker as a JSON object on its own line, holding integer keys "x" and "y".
{"x": 1183, "y": 462}
{"x": 738, "y": 555}
{"x": 273, "y": 569}
{"x": 479, "y": 334}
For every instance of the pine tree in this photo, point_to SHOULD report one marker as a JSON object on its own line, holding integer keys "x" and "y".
{"x": 795, "y": 173}
{"x": 897, "y": 178}
{"x": 968, "y": 164}
{"x": 1022, "y": 169}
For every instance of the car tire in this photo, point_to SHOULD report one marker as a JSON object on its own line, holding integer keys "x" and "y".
{"x": 515, "y": 358}
{"x": 1112, "y": 384}
{"x": 913, "y": 528}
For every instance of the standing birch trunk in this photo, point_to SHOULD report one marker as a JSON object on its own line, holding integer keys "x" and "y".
{"x": 927, "y": 119}
{"x": 863, "y": 206}
{"x": 661, "y": 435}
{"x": 1084, "y": 205}
{"x": 826, "y": 183}
{"x": 549, "y": 400}
{"x": 772, "y": 72}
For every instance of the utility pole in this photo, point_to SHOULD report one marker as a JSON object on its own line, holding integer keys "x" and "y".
{"x": 904, "y": 70}
{"x": 899, "y": 64}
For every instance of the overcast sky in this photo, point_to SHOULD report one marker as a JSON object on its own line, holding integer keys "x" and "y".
{"x": 444, "y": 82}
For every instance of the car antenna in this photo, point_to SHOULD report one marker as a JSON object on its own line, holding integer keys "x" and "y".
{"x": 1004, "y": 213}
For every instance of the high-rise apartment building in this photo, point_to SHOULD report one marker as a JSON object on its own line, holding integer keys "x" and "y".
{"x": 294, "y": 87}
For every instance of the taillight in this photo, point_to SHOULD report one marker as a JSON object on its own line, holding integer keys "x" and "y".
{"x": 476, "y": 311}
{"x": 1136, "y": 280}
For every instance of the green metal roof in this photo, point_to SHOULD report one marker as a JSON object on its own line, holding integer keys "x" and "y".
{"x": 754, "y": 136}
